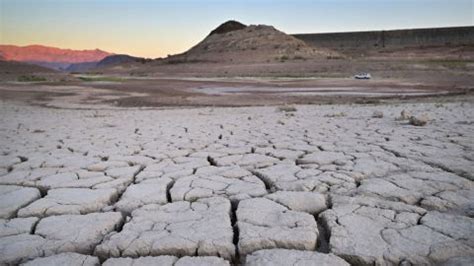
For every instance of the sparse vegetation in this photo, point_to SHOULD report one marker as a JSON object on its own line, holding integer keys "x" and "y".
{"x": 366, "y": 100}
{"x": 282, "y": 58}
{"x": 450, "y": 63}
{"x": 100, "y": 78}
{"x": 287, "y": 108}
{"x": 334, "y": 57}
{"x": 30, "y": 78}
{"x": 138, "y": 74}
{"x": 173, "y": 61}
{"x": 339, "y": 114}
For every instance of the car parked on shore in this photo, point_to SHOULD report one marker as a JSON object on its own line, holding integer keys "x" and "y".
{"x": 363, "y": 76}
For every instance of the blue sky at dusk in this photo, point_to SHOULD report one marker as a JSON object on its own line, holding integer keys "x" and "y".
{"x": 157, "y": 28}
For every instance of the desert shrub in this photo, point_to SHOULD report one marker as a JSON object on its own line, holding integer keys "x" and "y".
{"x": 340, "y": 114}
{"x": 287, "y": 108}
{"x": 367, "y": 101}
{"x": 109, "y": 79}
{"x": 176, "y": 61}
{"x": 334, "y": 57}
{"x": 282, "y": 58}
{"x": 30, "y": 78}
{"x": 450, "y": 63}
{"x": 138, "y": 74}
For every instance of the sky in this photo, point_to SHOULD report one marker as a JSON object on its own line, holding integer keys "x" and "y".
{"x": 157, "y": 28}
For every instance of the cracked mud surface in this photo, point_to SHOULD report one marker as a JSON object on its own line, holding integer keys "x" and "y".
{"x": 326, "y": 185}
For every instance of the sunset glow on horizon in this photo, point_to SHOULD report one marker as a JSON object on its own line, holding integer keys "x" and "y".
{"x": 158, "y": 28}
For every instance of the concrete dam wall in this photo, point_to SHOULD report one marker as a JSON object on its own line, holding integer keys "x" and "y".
{"x": 391, "y": 38}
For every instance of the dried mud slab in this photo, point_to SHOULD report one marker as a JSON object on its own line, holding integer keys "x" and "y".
{"x": 182, "y": 228}
{"x": 59, "y": 234}
{"x": 17, "y": 226}
{"x": 233, "y": 182}
{"x": 265, "y": 224}
{"x": 167, "y": 261}
{"x": 257, "y": 185}
{"x": 137, "y": 195}
{"x": 12, "y": 198}
{"x": 370, "y": 231}
{"x": 282, "y": 257}
{"x": 67, "y": 258}
{"x": 70, "y": 201}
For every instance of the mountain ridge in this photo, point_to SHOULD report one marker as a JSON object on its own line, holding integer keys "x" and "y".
{"x": 47, "y": 54}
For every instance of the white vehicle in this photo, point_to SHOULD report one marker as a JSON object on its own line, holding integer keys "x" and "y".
{"x": 363, "y": 76}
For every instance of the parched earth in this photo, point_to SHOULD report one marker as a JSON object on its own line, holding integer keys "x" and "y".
{"x": 322, "y": 185}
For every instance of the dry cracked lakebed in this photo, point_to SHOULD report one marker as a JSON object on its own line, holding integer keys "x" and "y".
{"x": 314, "y": 185}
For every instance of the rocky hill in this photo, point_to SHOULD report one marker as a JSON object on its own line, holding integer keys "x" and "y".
{"x": 236, "y": 42}
{"x": 228, "y": 26}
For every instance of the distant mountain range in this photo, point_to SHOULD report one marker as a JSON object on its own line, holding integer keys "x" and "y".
{"x": 51, "y": 57}
{"x": 63, "y": 59}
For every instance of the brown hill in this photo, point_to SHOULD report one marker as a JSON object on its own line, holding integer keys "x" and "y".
{"x": 39, "y": 53}
{"x": 109, "y": 61}
{"x": 235, "y": 42}
{"x": 11, "y": 70}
